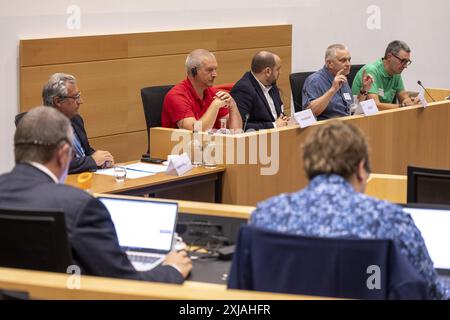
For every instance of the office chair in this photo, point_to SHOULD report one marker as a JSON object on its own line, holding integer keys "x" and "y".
{"x": 353, "y": 71}
{"x": 152, "y": 101}
{"x": 285, "y": 263}
{"x": 34, "y": 239}
{"x": 18, "y": 117}
{"x": 425, "y": 185}
{"x": 297, "y": 81}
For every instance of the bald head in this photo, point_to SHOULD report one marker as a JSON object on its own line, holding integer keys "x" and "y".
{"x": 263, "y": 60}
{"x": 196, "y": 58}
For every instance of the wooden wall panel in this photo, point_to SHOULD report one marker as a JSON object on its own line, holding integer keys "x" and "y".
{"x": 112, "y": 69}
{"x": 397, "y": 138}
{"x": 124, "y": 147}
{"x": 39, "y": 52}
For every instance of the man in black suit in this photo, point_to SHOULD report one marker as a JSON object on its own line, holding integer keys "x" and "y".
{"x": 42, "y": 162}
{"x": 257, "y": 95}
{"x": 62, "y": 93}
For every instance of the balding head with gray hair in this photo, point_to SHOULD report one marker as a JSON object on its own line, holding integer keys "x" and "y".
{"x": 395, "y": 47}
{"x": 56, "y": 87}
{"x": 195, "y": 59}
{"x": 40, "y": 133}
{"x": 330, "y": 53}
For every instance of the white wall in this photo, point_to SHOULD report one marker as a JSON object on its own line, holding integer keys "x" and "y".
{"x": 316, "y": 24}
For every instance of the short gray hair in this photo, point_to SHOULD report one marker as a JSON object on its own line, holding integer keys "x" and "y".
{"x": 40, "y": 133}
{"x": 195, "y": 59}
{"x": 395, "y": 47}
{"x": 56, "y": 87}
{"x": 330, "y": 53}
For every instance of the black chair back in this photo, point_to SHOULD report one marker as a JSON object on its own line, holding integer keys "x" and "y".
{"x": 327, "y": 267}
{"x": 34, "y": 239}
{"x": 297, "y": 81}
{"x": 152, "y": 100}
{"x": 353, "y": 71}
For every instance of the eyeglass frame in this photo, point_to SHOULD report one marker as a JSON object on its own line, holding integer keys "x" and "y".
{"x": 76, "y": 98}
{"x": 404, "y": 62}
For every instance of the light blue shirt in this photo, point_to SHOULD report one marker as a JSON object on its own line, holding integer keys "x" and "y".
{"x": 317, "y": 84}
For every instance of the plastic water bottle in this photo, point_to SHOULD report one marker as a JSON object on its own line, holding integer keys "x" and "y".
{"x": 209, "y": 152}
{"x": 223, "y": 127}
{"x": 354, "y": 105}
{"x": 196, "y": 149}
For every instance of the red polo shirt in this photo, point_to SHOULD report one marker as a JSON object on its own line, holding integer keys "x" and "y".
{"x": 182, "y": 101}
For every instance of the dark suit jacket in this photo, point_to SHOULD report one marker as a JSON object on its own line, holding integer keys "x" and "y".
{"x": 91, "y": 232}
{"x": 86, "y": 163}
{"x": 250, "y": 100}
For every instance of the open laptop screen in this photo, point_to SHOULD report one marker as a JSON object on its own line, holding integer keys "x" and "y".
{"x": 434, "y": 225}
{"x": 143, "y": 224}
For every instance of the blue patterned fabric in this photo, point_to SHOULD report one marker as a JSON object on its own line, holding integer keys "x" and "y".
{"x": 330, "y": 207}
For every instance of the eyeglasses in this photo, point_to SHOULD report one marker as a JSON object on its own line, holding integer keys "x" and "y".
{"x": 405, "y": 62}
{"x": 76, "y": 97}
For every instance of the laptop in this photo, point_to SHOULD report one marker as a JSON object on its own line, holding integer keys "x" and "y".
{"x": 145, "y": 229}
{"x": 433, "y": 221}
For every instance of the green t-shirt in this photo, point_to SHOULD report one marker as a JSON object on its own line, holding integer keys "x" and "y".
{"x": 384, "y": 85}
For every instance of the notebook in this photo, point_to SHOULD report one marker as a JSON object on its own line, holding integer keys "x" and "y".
{"x": 433, "y": 221}
{"x": 145, "y": 228}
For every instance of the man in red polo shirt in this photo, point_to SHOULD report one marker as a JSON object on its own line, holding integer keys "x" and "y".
{"x": 195, "y": 99}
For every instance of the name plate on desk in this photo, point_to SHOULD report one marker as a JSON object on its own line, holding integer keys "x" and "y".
{"x": 422, "y": 99}
{"x": 369, "y": 107}
{"x": 305, "y": 118}
{"x": 179, "y": 164}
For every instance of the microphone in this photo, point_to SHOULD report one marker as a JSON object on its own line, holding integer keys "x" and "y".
{"x": 420, "y": 84}
{"x": 246, "y": 120}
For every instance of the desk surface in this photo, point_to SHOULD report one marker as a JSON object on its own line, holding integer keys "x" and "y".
{"x": 107, "y": 184}
{"x": 47, "y": 285}
{"x": 387, "y": 187}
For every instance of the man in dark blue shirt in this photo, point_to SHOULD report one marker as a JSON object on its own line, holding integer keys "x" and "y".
{"x": 327, "y": 92}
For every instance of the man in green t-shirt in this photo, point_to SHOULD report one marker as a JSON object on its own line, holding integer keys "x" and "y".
{"x": 386, "y": 73}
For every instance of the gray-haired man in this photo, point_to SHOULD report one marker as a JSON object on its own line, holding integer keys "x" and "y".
{"x": 61, "y": 92}
{"x": 42, "y": 160}
{"x": 388, "y": 83}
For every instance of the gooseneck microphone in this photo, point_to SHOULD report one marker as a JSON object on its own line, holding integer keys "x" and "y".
{"x": 420, "y": 84}
{"x": 246, "y": 120}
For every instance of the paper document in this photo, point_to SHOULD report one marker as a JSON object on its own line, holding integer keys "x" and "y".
{"x": 136, "y": 170}
{"x": 147, "y": 167}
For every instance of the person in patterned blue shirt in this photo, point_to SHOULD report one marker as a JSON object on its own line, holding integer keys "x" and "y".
{"x": 336, "y": 162}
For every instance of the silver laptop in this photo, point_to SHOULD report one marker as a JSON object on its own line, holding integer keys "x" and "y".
{"x": 433, "y": 221}
{"x": 145, "y": 229}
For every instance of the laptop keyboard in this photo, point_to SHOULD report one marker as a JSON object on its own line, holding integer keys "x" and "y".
{"x": 142, "y": 259}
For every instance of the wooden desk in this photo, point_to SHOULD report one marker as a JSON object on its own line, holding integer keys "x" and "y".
{"x": 199, "y": 184}
{"x": 438, "y": 94}
{"x": 387, "y": 187}
{"x": 397, "y": 138}
{"x": 48, "y": 285}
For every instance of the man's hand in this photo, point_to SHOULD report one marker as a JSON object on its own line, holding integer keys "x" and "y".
{"x": 223, "y": 99}
{"x": 367, "y": 81}
{"x": 103, "y": 159}
{"x": 339, "y": 80}
{"x": 181, "y": 260}
{"x": 282, "y": 121}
